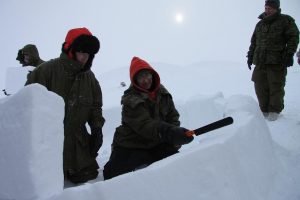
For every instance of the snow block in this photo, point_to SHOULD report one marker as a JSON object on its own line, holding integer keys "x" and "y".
{"x": 206, "y": 109}
{"x": 31, "y": 144}
{"x": 16, "y": 78}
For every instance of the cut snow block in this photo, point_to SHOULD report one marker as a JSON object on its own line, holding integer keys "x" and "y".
{"x": 16, "y": 78}
{"x": 201, "y": 110}
{"x": 31, "y": 144}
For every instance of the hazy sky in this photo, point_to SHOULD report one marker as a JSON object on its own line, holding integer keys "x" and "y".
{"x": 210, "y": 29}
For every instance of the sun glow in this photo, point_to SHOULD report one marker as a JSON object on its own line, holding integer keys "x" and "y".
{"x": 179, "y": 18}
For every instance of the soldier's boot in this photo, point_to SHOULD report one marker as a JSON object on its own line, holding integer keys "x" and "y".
{"x": 265, "y": 114}
{"x": 273, "y": 116}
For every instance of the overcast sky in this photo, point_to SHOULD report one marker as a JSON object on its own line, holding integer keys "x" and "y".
{"x": 210, "y": 29}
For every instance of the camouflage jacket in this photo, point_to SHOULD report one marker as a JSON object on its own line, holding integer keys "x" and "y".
{"x": 83, "y": 104}
{"x": 141, "y": 116}
{"x": 273, "y": 38}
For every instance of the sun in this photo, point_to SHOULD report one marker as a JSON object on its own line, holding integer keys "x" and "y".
{"x": 179, "y": 18}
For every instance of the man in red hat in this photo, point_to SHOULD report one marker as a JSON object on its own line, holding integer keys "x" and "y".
{"x": 70, "y": 76}
{"x": 150, "y": 128}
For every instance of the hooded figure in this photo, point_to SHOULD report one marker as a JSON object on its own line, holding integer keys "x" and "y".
{"x": 29, "y": 56}
{"x": 150, "y": 123}
{"x": 70, "y": 76}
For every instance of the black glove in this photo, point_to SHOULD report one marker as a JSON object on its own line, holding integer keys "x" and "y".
{"x": 299, "y": 60}
{"x": 173, "y": 134}
{"x": 288, "y": 60}
{"x": 249, "y": 62}
{"x": 96, "y": 141}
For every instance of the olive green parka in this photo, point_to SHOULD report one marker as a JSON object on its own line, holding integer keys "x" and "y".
{"x": 143, "y": 110}
{"x": 83, "y": 104}
{"x": 32, "y": 52}
{"x": 274, "y": 37}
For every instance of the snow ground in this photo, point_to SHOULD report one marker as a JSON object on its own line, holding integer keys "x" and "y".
{"x": 251, "y": 159}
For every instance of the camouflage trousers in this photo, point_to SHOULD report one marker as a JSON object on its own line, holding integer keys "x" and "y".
{"x": 269, "y": 82}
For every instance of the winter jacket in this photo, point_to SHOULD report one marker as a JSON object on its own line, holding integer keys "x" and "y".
{"x": 34, "y": 58}
{"x": 83, "y": 104}
{"x": 143, "y": 110}
{"x": 274, "y": 37}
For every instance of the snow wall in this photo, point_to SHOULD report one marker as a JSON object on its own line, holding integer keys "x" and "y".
{"x": 31, "y": 144}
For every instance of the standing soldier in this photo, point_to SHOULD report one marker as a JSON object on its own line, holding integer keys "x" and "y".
{"x": 273, "y": 45}
{"x": 29, "y": 56}
{"x": 70, "y": 76}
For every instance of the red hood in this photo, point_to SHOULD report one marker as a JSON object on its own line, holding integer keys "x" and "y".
{"x": 137, "y": 65}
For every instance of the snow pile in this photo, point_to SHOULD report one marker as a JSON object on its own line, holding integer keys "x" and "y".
{"x": 241, "y": 161}
{"x": 235, "y": 162}
{"x": 31, "y": 144}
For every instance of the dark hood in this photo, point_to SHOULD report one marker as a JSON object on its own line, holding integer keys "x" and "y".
{"x": 32, "y": 51}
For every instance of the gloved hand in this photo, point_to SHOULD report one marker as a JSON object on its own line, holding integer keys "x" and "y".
{"x": 288, "y": 60}
{"x": 173, "y": 134}
{"x": 249, "y": 61}
{"x": 299, "y": 60}
{"x": 96, "y": 141}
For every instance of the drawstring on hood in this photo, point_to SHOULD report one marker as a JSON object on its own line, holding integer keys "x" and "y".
{"x": 137, "y": 65}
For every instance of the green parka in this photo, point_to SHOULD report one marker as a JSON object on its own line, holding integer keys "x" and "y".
{"x": 273, "y": 38}
{"x": 142, "y": 111}
{"x": 83, "y": 104}
{"x": 32, "y": 51}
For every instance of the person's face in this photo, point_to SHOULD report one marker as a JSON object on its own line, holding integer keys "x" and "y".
{"x": 26, "y": 59}
{"x": 270, "y": 11}
{"x": 144, "y": 79}
{"x": 82, "y": 57}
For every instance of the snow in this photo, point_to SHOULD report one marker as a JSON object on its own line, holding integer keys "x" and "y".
{"x": 31, "y": 144}
{"x": 250, "y": 159}
{"x": 201, "y": 62}
{"x": 16, "y": 78}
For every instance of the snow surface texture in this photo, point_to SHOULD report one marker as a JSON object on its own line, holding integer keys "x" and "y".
{"x": 250, "y": 159}
{"x": 31, "y": 144}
